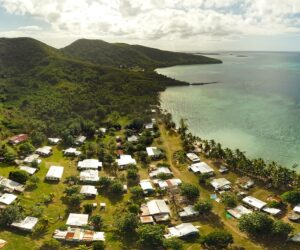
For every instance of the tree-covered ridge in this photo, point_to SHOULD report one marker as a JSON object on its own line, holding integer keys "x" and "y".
{"x": 121, "y": 54}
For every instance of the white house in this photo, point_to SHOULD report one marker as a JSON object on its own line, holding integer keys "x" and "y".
{"x": 158, "y": 209}
{"x": 297, "y": 209}
{"x": 31, "y": 158}
{"x": 27, "y": 224}
{"x": 44, "y": 151}
{"x": 149, "y": 126}
{"x": 77, "y": 220}
{"x": 89, "y": 175}
{"x": 133, "y": 138}
{"x": 27, "y": 169}
{"x": 170, "y": 183}
{"x": 147, "y": 187}
{"x": 153, "y": 152}
{"x": 71, "y": 152}
{"x": 272, "y": 211}
{"x": 188, "y": 212}
{"x": 125, "y": 160}
{"x": 7, "y": 199}
{"x": 239, "y": 211}
{"x": 80, "y": 140}
{"x": 182, "y": 230}
{"x": 160, "y": 170}
{"x": 221, "y": 184}
{"x": 193, "y": 157}
{"x": 11, "y": 185}
{"x": 54, "y": 141}
{"x": 254, "y": 203}
{"x": 54, "y": 173}
{"x": 202, "y": 168}
{"x": 89, "y": 164}
{"x": 88, "y": 190}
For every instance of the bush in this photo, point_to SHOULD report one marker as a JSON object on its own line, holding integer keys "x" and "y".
{"x": 19, "y": 176}
{"x": 51, "y": 244}
{"x": 281, "y": 229}
{"x": 97, "y": 222}
{"x": 137, "y": 193}
{"x": 127, "y": 224}
{"x": 164, "y": 176}
{"x": 173, "y": 243}
{"x": 190, "y": 191}
{"x": 150, "y": 236}
{"x": 292, "y": 197}
{"x": 217, "y": 240}
{"x": 88, "y": 208}
{"x": 133, "y": 208}
{"x": 10, "y": 214}
{"x": 116, "y": 188}
{"x": 229, "y": 199}
{"x": 98, "y": 245}
{"x": 203, "y": 207}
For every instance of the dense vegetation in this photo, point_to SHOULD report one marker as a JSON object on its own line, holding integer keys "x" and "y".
{"x": 45, "y": 89}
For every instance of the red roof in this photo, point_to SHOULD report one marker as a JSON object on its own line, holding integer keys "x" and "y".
{"x": 18, "y": 138}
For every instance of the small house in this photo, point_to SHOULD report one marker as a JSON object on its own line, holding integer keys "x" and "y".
{"x": 154, "y": 152}
{"x": 27, "y": 224}
{"x": 133, "y": 138}
{"x": 31, "y": 158}
{"x": 88, "y": 191}
{"x": 221, "y": 184}
{"x": 71, "y": 152}
{"x": 160, "y": 170}
{"x": 201, "y": 168}
{"x": 147, "y": 187}
{"x": 89, "y": 176}
{"x": 239, "y": 211}
{"x": 297, "y": 208}
{"x": 188, "y": 212}
{"x": 168, "y": 184}
{"x": 27, "y": 169}
{"x": 54, "y": 141}
{"x": 78, "y": 235}
{"x": 149, "y": 126}
{"x": 158, "y": 209}
{"x": 89, "y": 164}
{"x": 44, "y": 151}
{"x": 10, "y": 185}
{"x": 80, "y": 140}
{"x": 125, "y": 160}
{"x": 77, "y": 220}
{"x": 182, "y": 230}
{"x": 18, "y": 139}
{"x": 254, "y": 203}
{"x": 7, "y": 199}
{"x": 193, "y": 157}
{"x": 54, "y": 173}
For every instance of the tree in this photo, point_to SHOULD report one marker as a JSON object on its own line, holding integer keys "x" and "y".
{"x": 150, "y": 236}
{"x": 133, "y": 208}
{"x": 88, "y": 208}
{"x": 37, "y": 138}
{"x": 97, "y": 222}
{"x": 9, "y": 155}
{"x": 281, "y": 229}
{"x": 292, "y": 197}
{"x": 98, "y": 245}
{"x": 203, "y": 207}
{"x": 229, "y": 199}
{"x": 20, "y": 176}
{"x": 116, "y": 188}
{"x": 256, "y": 224}
{"x": 218, "y": 239}
{"x": 26, "y": 148}
{"x": 137, "y": 193}
{"x": 190, "y": 191}
{"x": 71, "y": 190}
{"x": 51, "y": 244}
{"x": 10, "y": 214}
{"x": 75, "y": 200}
{"x": 127, "y": 224}
{"x": 173, "y": 244}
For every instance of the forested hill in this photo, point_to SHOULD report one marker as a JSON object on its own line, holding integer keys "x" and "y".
{"x": 121, "y": 54}
{"x": 42, "y": 89}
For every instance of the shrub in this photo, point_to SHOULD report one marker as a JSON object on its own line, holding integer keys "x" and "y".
{"x": 190, "y": 191}
{"x": 217, "y": 239}
{"x": 19, "y": 176}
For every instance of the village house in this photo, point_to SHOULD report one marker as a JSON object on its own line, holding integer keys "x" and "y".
{"x": 149, "y": 126}
{"x": 160, "y": 170}
{"x": 31, "y": 158}
{"x": 80, "y": 140}
{"x": 27, "y": 224}
{"x": 125, "y": 160}
{"x": 7, "y": 199}
{"x": 154, "y": 152}
{"x": 54, "y": 141}
{"x": 147, "y": 187}
{"x": 18, "y": 139}
{"x": 193, "y": 157}
{"x": 44, "y": 151}
{"x": 297, "y": 208}
{"x": 77, "y": 220}
{"x": 71, "y": 152}
{"x": 10, "y": 185}
{"x": 254, "y": 203}
{"x": 88, "y": 191}
{"x": 89, "y": 164}
{"x": 89, "y": 176}
{"x": 157, "y": 209}
{"x": 245, "y": 183}
{"x": 133, "y": 138}
{"x": 168, "y": 184}
{"x": 182, "y": 230}
{"x": 239, "y": 211}
{"x": 29, "y": 170}
{"x": 221, "y": 184}
{"x": 188, "y": 212}
{"x": 54, "y": 173}
{"x": 78, "y": 235}
{"x": 202, "y": 168}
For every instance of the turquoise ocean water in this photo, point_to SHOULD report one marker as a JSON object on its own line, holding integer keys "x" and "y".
{"x": 255, "y": 106}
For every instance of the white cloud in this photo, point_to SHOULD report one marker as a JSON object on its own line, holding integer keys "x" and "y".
{"x": 30, "y": 28}
{"x": 162, "y": 19}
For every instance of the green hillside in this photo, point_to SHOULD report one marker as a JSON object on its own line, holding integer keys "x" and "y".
{"x": 117, "y": 54}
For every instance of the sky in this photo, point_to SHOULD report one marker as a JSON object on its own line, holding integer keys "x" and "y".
{"x": 179, "y": 25}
